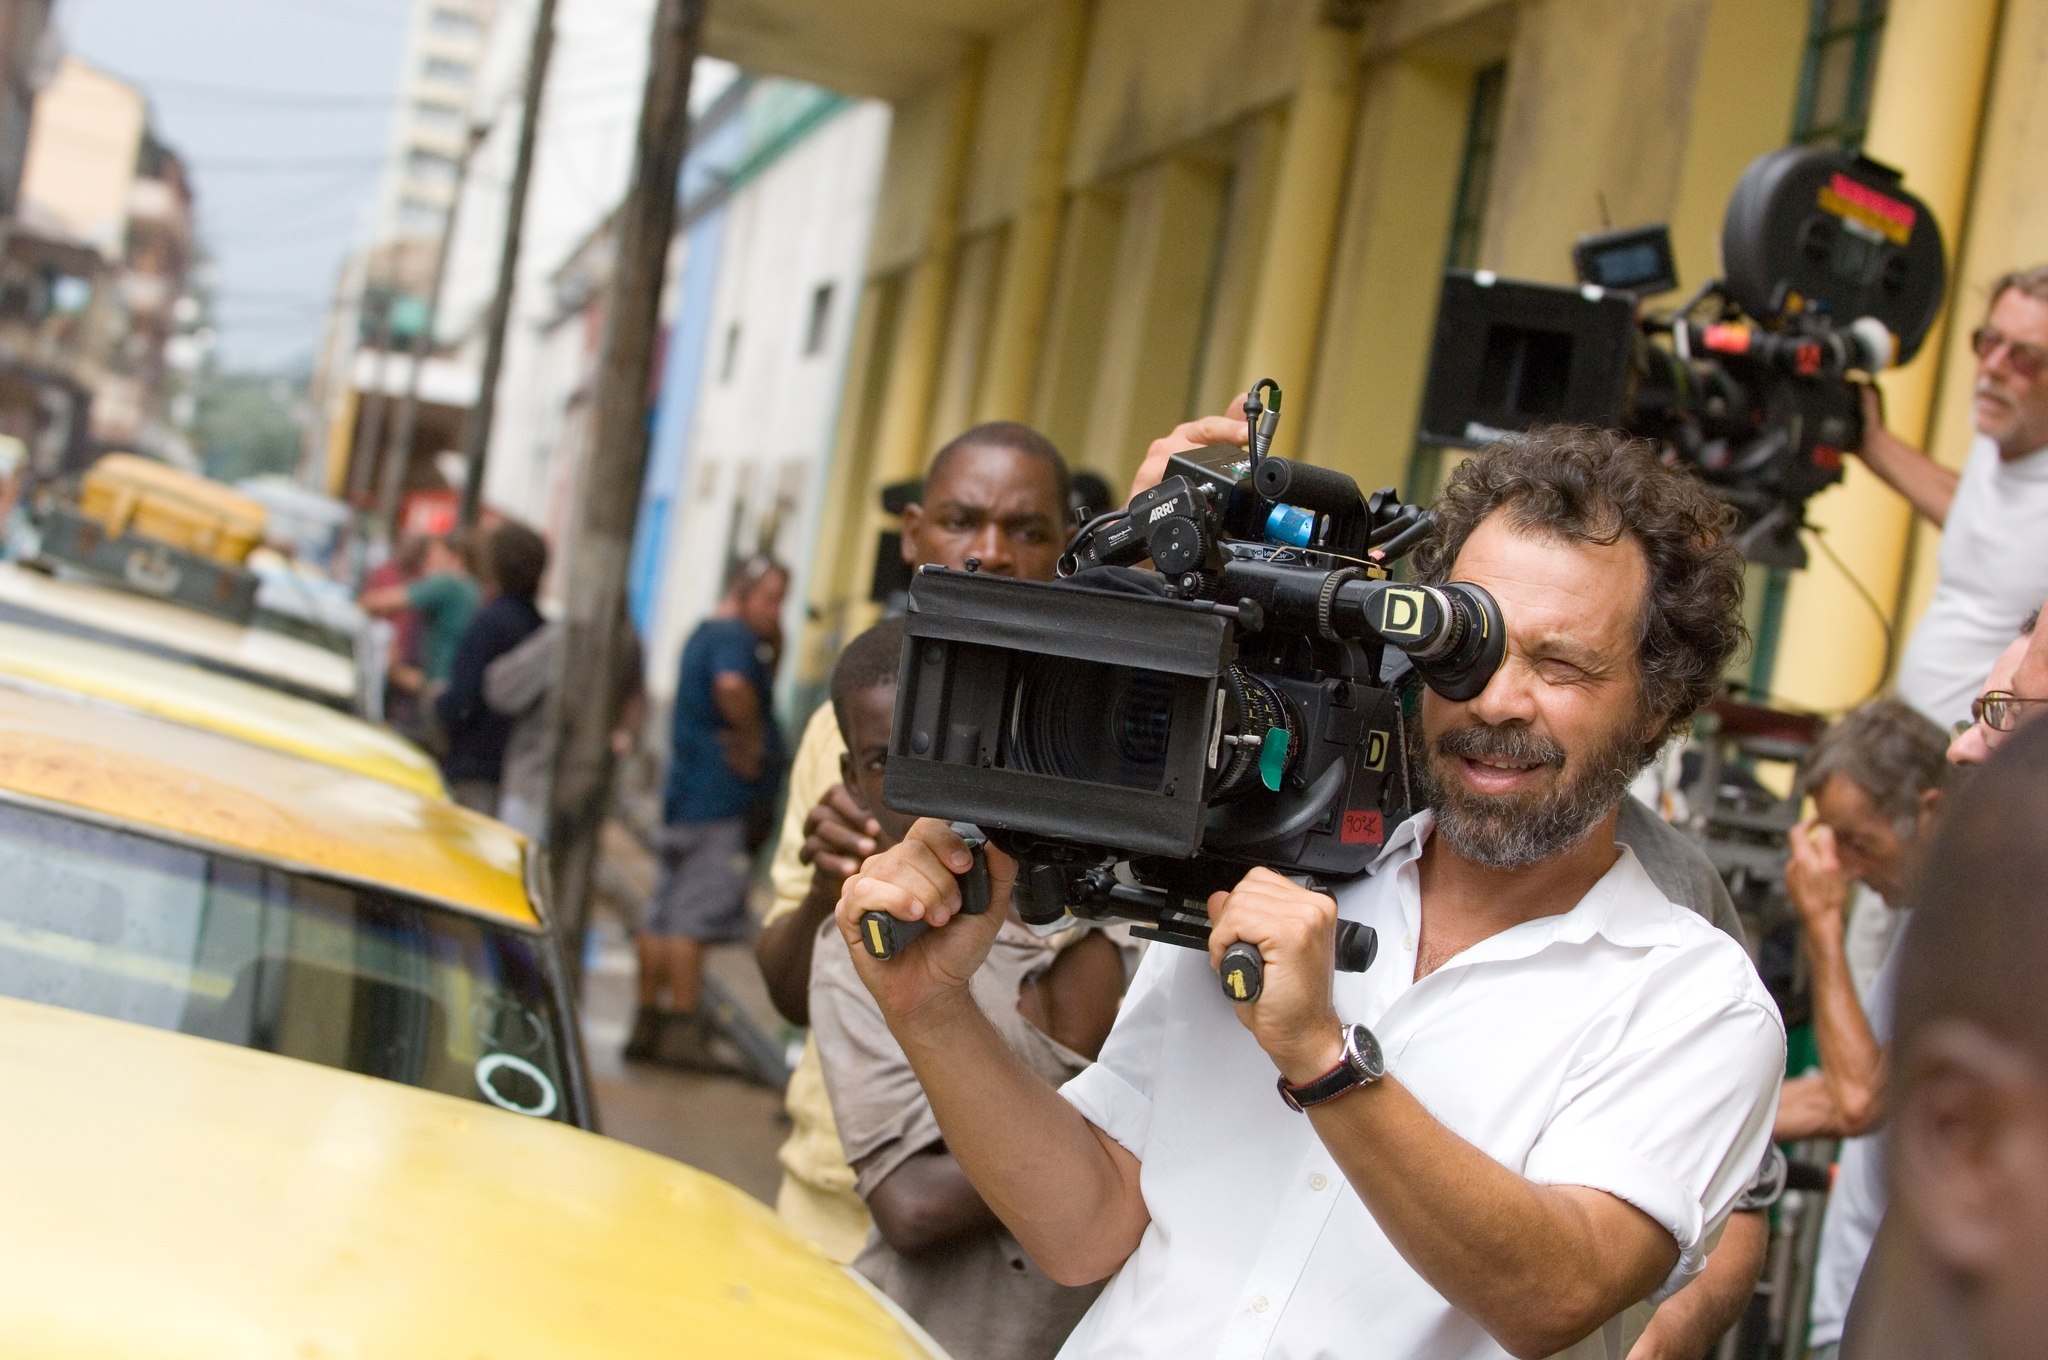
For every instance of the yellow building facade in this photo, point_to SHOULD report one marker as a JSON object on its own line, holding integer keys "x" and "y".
{"x": 1105, "y": 216}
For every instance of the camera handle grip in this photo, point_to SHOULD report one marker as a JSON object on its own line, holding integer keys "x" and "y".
{"x": 885, "y": 936}
{"x": 1244, "y": 968}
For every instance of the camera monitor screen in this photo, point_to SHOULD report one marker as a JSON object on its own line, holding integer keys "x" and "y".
{"x": 1511, "y": 356}
{"x": 1638, "y": 260}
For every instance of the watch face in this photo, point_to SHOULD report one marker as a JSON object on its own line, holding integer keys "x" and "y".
{"x": 1364, "y": 1054}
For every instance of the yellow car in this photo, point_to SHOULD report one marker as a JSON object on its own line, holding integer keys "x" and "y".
{"x": 63, "y": 603}
{"x": 33, "y": 658}
{"x": 292, "y": 1072}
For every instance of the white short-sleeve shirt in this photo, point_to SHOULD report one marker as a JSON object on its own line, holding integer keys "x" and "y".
{"x": 1625, "y": 1045}
{"x": 1994, "y": 572}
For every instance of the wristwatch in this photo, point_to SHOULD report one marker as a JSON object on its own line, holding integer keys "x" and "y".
{"x": 1362, "y": 1064}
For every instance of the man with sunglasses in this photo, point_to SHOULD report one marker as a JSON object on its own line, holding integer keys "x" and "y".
{"x": 1994, "y": 560}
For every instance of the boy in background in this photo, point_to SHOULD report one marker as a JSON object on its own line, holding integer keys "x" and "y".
{"x": 936, "y": 1247}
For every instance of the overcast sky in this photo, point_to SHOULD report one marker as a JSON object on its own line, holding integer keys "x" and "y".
{"x": 282, "y": 108}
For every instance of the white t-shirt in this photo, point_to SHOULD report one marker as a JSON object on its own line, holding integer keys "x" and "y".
{"x": 1857, "y": 1201}
{"x": 1994, "y": 572}
{"x": 1625, "y": 1045}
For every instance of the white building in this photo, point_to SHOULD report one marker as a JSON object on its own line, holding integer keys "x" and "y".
{"x": 791, "y": 254}
{"x": 445, "y": 46}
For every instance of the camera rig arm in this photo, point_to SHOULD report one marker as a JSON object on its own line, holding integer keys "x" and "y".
{"x": 1048, "y": 891}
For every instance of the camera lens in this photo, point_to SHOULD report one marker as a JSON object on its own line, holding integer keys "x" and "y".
{"x": 1084, "y": 720}
{"x": 1144, "y": 716}
{"x": 1252, "y": 708}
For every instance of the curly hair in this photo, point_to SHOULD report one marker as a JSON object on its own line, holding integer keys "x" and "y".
{"x": 1584, "y": 485}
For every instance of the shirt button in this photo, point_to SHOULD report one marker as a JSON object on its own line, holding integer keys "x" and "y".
{"x": 1408, "y": 943}
{"x": 1318, "y": 1181}
{"x": 1259, "y": 1304}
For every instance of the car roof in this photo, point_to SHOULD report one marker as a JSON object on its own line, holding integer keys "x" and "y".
{"x": 261, "y": 1204}
{"x": 38, "y": 598}
{"x": 220, "y": 703}
{"x": 127, "y": 767}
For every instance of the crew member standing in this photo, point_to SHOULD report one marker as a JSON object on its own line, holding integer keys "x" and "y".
{"x": 725, "y": 763}
{"x": 1994, "y": 557}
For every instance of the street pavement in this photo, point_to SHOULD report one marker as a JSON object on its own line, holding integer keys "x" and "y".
{"x": 728, "y": 1126}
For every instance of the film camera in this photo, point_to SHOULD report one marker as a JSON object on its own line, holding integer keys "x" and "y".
{"x": 1833, "y": 270}
{"x": 1137, "y": 739}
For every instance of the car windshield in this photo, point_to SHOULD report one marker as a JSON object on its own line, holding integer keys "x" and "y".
{"x": 133, "y": 928}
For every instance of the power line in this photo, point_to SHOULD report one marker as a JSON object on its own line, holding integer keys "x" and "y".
{"x": 289, "y": 165}
{"x": 259, "y": 98}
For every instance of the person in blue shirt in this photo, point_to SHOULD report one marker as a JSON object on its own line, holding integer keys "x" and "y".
{"x": 726, "y": 762}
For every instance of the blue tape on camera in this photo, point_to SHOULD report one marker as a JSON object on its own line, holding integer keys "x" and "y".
{"x": 1291, "y": 525}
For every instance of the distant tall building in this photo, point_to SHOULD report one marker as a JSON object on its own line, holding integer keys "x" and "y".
{"x": 431, "y": 130}
{"x": 384, "y": 293}
{"x": 93, "y": 278}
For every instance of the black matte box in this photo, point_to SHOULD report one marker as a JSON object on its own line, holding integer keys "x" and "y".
{"x": 1512, "y": 356}
{"x": 966, "y": 637}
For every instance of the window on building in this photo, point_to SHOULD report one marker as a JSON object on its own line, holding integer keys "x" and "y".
{"x": 732, "y": 353}
{"x": 445, "y": 71}
{"x": 437, "y": 116}
{"x": 820, "y": 324}
{"x": 454, "y": 23}
{"x": 416, "y": 215}
{"x": 1842, "y": 40}
{"x": 1475, "y": 170}
{"x": 431, "y": 167}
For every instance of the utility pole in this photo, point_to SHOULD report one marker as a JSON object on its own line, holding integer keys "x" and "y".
{"x": 585, "y": 696}
{"x": 476, "y": 431}
{"x": 370, "y": 407}
{"x": 398, "y": 457}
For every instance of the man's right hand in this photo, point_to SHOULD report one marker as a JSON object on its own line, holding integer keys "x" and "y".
{"x": 1814, "y": 878}
{"x": 915, "y": 881}
{"x": 839, "y": 834}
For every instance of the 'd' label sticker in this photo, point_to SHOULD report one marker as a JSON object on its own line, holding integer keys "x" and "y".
{"x": 1376, "y": 750}
{"x": 1363, "y": 828}
{"x": 1401, "y": 613}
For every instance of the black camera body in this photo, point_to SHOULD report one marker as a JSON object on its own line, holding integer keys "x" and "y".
{"x": 1834, "y": 271}
{"x": 1139, "y": 738}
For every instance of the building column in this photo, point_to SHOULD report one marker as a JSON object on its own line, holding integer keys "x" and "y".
{"x": 1153, "y": 325}
{"x": 1017, "y": 329}
{"x": 1301, "y": 231}
{"x": 1926, "y": 108}
{"x": 921, "y": 327}
{"x": 2006, "y": 230}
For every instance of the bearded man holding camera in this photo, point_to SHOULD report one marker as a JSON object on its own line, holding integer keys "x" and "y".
{"x": 1527, "y": 1122}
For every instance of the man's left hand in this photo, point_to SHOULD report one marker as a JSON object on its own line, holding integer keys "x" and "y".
{"x": 1295, "y": 1019}
{"x": 1228, "y": 428}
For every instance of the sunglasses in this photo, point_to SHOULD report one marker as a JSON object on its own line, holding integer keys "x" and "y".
{"x": 2024, "y": 359}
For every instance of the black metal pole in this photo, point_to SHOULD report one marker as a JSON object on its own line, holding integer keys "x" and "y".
{"x": 586, "y": 695}
{"x": 398, "y": 455}
{"x": 476, "y": 431}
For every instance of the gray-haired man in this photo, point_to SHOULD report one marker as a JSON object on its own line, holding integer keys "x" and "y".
{"x": 1879, "y": 781}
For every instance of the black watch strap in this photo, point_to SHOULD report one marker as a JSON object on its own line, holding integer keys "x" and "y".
{"x": 1361, "y": 1065}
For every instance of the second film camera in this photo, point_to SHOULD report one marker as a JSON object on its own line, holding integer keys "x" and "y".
{"x": 1833, "y": 270}
{"x": 1138, "y": 739}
